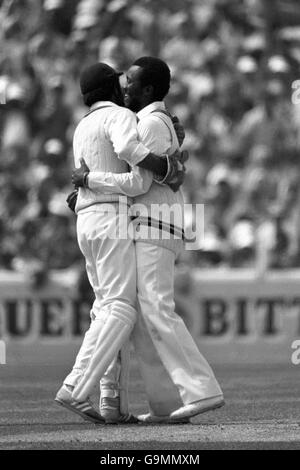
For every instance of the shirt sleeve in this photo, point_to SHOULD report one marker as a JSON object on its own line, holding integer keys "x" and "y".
{"x": 155, "y": 134}
{"x": 131, "y": 184}
{"x": 122, "y": 131}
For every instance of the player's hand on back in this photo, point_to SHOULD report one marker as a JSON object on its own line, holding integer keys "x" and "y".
{"x": 79, "y": 175}
{"x": 179, "y": 129}
{"x": 183, "y": 157}
{"x": 176, "y": 169}
{"x": 72, "y": 199}
{"x": 178, "y": 181}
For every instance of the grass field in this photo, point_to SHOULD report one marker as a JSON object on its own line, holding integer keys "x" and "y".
{"x": 262, "y": 407}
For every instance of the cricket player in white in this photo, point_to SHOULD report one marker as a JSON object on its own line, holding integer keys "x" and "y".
{"x": 178, "y": 380}
{"x": 106, "y": 137}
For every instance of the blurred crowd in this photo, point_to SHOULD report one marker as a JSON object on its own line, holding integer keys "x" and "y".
{"x": 233, "y": 65}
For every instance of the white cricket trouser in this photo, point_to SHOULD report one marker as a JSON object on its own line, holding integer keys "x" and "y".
{"x": 173, "y": 369}
{"x": 111, "y": 269}
{"x": 162, "y": 394}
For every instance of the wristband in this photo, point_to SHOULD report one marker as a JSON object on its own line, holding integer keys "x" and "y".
{"x": 86, "y": 179}
{"x": 161, "y": 179}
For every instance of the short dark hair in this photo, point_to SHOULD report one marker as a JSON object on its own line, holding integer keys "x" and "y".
{"x": 156, "y": 73}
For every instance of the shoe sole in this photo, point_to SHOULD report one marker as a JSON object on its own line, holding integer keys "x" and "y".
{"x": 192, "y": 414}
{"x": 78, "y": 412}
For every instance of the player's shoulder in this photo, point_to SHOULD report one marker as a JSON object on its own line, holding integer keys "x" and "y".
{"x": 122, "y": 112}
{"x": 120, "y": 116}
{"x": 156, "y": 122}
{"x": 78, "y": 129}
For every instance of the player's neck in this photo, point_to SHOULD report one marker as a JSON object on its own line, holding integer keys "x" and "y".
{"x": 145, "y": 103}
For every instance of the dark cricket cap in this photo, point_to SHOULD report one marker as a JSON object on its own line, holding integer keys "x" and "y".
{"x": 97, "y": 76}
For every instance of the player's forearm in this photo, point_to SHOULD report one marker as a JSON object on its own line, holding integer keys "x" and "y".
{"x": 130, "y": 184}
{"x": 158, "y": 165}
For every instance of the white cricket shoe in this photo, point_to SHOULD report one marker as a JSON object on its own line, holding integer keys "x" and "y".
{"x": 198, "y": 407}
{"x": 84, "y": 409}
{"x": 110, "y": 412}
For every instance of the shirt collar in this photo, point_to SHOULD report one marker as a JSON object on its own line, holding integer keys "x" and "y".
{"x": 151, "y": 107}
{"x": 99, "y": 104}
